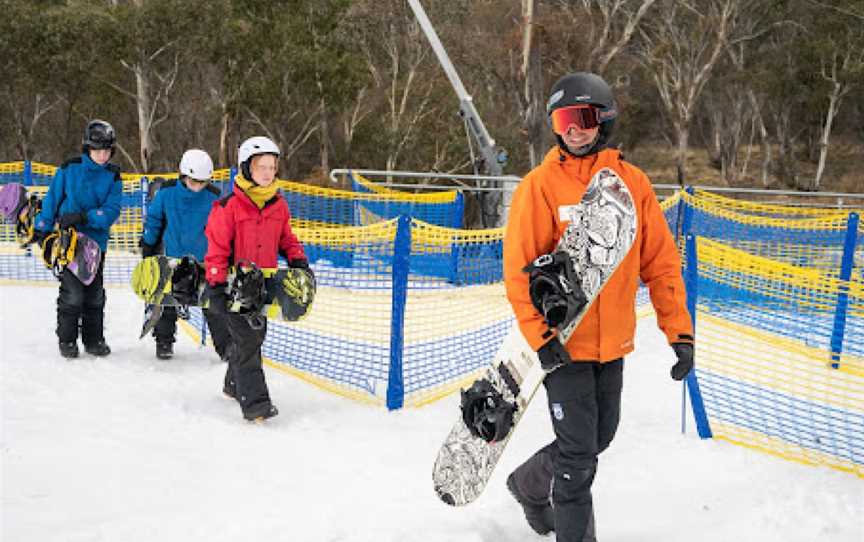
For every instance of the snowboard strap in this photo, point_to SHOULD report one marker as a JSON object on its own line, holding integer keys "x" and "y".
{"x": 486, "y": 413}
{"x": 58, "y": 250}
{"x": 555, "y": 289}
{"x": 186, "y": 281}
{"x": 247, "y": 294}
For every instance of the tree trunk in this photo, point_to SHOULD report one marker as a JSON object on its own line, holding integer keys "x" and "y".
{"x": 681, "y": 152}
{"x": 142, "y": 90}
{"x": 323, "y": 133}
{"x": 224, "y": 159}
{"x": 833, "y": 102}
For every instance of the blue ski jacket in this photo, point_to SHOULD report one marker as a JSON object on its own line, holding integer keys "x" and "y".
{"x": 177, "y": 216}
{"x": 83, "y": 186}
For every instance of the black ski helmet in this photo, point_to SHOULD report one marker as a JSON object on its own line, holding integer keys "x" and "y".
{"x": 98, "y": 135}
{"x": 585, "y": 88}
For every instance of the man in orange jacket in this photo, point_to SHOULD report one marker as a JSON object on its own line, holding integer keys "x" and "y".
{"x": 584, "y": 392}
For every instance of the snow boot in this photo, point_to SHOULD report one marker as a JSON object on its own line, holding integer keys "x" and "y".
{"x": 69, "y": 350}
{"x": 540, "y": 517}
{"x": 164, "y": 350}
{"x": 99, "y": 348}
{"x": 259, "y": 412}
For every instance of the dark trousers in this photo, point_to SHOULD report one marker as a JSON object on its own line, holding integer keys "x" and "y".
{"x": 85, "y": 304}
{"x": 244, "y": 361}
{"x": 585, "y": 406}
{"x": 166, "y": 329}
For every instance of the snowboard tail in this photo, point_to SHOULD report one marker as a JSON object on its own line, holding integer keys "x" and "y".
{"x": 600, "y": 233}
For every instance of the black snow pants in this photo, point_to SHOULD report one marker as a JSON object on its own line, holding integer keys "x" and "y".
{"x": 585, "y": 406}
{"x": 85, "y": 304}
{"x": 244, "y": 361}
{"x": 166, "y": 329}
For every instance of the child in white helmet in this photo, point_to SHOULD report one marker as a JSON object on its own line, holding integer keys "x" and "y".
{"x": 253, "y": 224}
{"x": 176, "y": 219}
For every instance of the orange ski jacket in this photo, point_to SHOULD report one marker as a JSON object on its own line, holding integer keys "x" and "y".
{"x": 534, "y": 227}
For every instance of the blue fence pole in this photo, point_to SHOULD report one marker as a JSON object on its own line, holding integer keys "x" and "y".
{"x": 683, "y": 226}
{"x": 401, "y": 263}
{"x": 839, "y": 330}
{"x": 28, "y": 173}
{"x": 691, "y": 280}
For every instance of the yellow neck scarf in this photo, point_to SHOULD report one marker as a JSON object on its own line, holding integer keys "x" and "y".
{"x": 258, "y": 194}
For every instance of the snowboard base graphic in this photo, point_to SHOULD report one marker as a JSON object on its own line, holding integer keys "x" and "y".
{"x": 600, "y": 233}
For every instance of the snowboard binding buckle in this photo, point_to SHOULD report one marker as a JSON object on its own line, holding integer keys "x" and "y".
{"x": 486, "y": 413}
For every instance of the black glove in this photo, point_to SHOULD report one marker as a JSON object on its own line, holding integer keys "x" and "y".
{"x": 218, "y": 298}
{"x": 684, "y": 351}
{"x": 553, "y": 355}
{"x": 148, "y": 250}
{"x": 71, "y": 219}
{"x": 299, "y": 263}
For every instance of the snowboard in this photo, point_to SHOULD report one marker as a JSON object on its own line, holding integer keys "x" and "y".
{"x": 62, "y": 250}
{"x": 600, "y": 234}
{"x": 285, "y": 293}
{"x": 20, "y": 208}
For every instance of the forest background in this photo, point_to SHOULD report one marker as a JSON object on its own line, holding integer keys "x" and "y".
{"x": 743, "y": 93}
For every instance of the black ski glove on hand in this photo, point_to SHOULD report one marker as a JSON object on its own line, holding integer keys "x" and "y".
{"x": 72, "y": 219}
{"x": 147, "y": 250}
{"x": 684, "y": 351}
{"x": 218, "y": 298}
{"x": 553, "y": 355}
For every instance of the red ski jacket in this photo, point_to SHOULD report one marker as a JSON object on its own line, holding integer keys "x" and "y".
{"x": 237, "y": 230}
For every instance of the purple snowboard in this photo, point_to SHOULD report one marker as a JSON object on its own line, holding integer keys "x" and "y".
{"x": 13, "y": 198}
{"x": 87, "y": 258}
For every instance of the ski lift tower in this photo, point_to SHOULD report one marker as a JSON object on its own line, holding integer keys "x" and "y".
{"x": 491, "y": 159}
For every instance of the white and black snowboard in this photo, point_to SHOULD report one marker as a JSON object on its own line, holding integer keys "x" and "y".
{"x": 600, "y": 234}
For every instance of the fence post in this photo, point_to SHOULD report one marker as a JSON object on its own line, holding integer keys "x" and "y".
{"x": 401, "y": 262}
{"x": 691, "y": 281}
{"x": 839, "y": 330}
{"x": 28, "y": 173}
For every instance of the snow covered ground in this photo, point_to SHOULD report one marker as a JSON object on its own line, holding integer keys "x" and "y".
{"x": 128, "y": 448}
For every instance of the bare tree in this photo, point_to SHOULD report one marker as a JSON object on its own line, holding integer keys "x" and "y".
{"x": 843, "y": 63}
{"x": 680, "y": 49}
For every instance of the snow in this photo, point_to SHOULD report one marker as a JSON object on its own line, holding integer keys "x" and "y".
{"x": 128, "y": 448}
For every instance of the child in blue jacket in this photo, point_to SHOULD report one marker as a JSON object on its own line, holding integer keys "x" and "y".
{"x": 85, "y": 194}
{"x": 176, "y": 218}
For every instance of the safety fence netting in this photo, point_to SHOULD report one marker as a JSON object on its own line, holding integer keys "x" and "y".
{"x": 779, "y": 299}
{"x": 410, "y": 306}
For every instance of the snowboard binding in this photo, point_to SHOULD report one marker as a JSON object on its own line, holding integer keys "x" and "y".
{"x": 555, "y": 289}
{"x": 20, "y": 208}
{"x": 299, "y": 289}
{"x": 186, "y": 281}
{"x": 248, "y": 295}
{"x": 58, "y": 250}
{"x": 486, "y": 413}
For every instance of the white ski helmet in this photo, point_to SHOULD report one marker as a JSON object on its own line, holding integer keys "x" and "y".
{"x": 196, "y": 164}
{"x": 253, "y": 147}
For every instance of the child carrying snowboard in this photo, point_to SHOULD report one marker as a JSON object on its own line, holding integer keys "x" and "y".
{"x": 250, "y": 226}
{"x": 86, "y": 195}
{"x": 176, "y": 218}
{"x": 584, "y": 385}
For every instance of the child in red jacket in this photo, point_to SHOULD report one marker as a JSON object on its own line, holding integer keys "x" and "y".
{"x": 253, "y": 224}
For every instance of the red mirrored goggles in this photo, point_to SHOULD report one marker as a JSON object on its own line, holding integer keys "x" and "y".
{"x": 583, "y": 117}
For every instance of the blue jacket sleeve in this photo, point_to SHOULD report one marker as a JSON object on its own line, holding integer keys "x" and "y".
{"x": 102, "y": 217}
{"x": 44, "y": 221}
{"x": 155, "y": 221}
